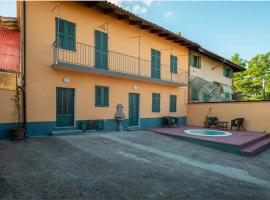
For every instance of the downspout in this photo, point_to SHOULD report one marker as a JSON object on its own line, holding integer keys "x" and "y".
{"x": 24, "y": 68}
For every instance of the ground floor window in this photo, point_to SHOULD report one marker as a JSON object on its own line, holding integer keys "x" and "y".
{"x": 155, "y": 102}
{"x": 102, "y": 96}
{"x": 173, "y": 99}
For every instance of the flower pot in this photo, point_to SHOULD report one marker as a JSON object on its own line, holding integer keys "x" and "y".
{"x": 17, "y": 133}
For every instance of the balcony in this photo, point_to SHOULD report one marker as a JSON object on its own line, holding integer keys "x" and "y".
{"x": 85, "y": 58}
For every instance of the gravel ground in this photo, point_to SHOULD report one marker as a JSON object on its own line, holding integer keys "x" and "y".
{"x": 128, "y": 165}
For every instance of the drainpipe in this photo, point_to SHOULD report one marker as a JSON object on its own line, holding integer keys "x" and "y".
{"x": 24, "y": 68}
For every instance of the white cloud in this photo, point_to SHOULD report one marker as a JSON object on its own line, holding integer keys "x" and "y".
{"x": 147, "y": 2}
{"x": 117, "y": 2}
{"x": 137, "y": 9}
{"x": 168, "y": 14}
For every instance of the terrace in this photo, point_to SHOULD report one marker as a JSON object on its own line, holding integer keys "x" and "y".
{"x": 246, "y": 143}
{"x": 87, "y": 59}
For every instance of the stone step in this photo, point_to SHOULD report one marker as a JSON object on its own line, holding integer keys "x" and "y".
{"x": 263, "y": 137}
{"x": 256, "y": 147}
{"x": 134, "y": 128}
{"x": 67, "y": 132}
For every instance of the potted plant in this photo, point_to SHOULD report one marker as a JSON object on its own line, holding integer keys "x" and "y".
{"x": 18, "y": 133}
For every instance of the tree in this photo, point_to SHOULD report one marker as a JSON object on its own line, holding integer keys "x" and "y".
{"x": 249, "y": 82}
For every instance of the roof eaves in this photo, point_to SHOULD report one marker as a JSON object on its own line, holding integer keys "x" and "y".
{"x": 156, "y": 28}
{"x": 220, "y": 58}
{"x": 122, "y": 13}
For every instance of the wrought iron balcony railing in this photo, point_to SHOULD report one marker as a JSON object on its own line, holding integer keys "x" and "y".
{"x": 88, "y": 56}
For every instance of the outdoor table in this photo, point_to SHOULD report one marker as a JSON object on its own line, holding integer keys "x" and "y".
{"x": 222, "y": 125}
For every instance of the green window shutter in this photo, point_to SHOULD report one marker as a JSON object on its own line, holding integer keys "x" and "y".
{"x": 97, "y": 49}
{"x": 60, "y": 33}
{"x": 231, "y": 73}
{"x": 71, "y": 36}
{"x": 98, "y": 96}
{"x": 105, "y": 50}
{"x": 106, "y": 96}
{"x": 65, "y": 34}
{"x": 155, "y": 64}
{"x": 199, "y": 61}
{"x": 225, "y": 71}
{"x": 173, "y": 64}
{"x": 155, "y": 102}
{"x": 173, "y": 100}
{"x": 102, "y": 96}
{"x": 192, "y": 60}
{"x": 101, "y": 49}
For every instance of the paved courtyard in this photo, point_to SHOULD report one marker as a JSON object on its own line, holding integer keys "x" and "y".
{"x": 128, "y": 165}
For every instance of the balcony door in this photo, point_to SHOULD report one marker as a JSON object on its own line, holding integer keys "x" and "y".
{"x": 101, "y": 50}
{"x": 155, "y": 64}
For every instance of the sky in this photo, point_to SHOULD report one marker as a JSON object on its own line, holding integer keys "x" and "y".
{"x": 225, "y": 27}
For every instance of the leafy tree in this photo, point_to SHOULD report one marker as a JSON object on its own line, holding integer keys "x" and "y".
{"x": 249, "y": 82}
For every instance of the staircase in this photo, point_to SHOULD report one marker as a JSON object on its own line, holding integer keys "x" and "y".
{"x": 256, "y": 146}
{"x": 66, "y": 131}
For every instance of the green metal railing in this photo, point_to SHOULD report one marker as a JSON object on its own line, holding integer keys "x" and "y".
{"x": 88, "y": 56}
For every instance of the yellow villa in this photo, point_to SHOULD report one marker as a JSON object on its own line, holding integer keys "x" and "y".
{"x": 81, "y": 59}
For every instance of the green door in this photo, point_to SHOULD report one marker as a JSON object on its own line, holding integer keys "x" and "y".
{"x": 101, "y": 49}
{"x": 155, "y": 64}
{"x": 64, "y": 107}
{"x": 133, "y": 109}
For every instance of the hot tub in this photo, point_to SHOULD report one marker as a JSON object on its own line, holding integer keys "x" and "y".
{"x": 207, "y": 132}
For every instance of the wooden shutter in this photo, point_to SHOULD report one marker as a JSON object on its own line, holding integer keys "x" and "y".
{"x": 65, "y": 34}
{"x": 155, "y": 102}
{"x": 97, "y": 49}
{"x": 105, "y": 50}
{"x": 101, "y": 49}
{"x": 98, "y": 96}
{"x": 173, "y": 100}
{"x": 199, "y": 61}
{"x": 105, "y": 96}
{"x": 173, "y": 64}
{"x": 71, "y": 35}
{"x": 60, "y": 33}
{"x": 191, "y": 60}
{"x": 231, "y": 73}
{"x": 155, "y": 64}
{"x": 224, "y": 71}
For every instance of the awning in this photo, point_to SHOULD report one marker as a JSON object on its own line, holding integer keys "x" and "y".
{"x": 206, "y": 87}
{"x": 10, "y": 50}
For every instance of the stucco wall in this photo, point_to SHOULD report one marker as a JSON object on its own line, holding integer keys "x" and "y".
{"x": 210, "y": 70}
{"x": 7, "y": 106}
{"x": 42, "y": 80}
{"x": 256, "y": 114}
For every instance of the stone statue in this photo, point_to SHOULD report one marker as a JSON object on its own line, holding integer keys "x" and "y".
{"x": 119, "y": 117}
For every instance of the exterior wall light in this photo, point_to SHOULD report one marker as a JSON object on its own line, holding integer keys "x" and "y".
{"x": 66, "y": 80}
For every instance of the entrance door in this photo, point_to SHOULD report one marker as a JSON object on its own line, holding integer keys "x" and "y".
{"x": 101, "y": 49}
{"x": 64, "y": 107}
{"x": 133, "y": 109}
